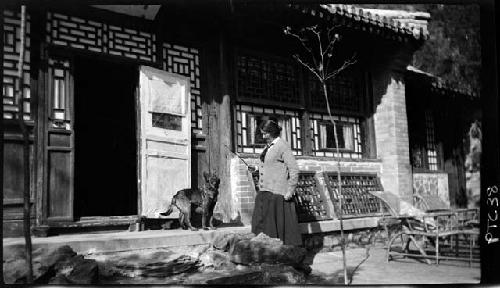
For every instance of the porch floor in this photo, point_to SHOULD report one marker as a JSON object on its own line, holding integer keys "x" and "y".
{"x": 98, "y": 242}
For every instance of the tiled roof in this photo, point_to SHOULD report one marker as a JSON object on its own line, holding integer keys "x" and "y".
{"x": 440, "y": 85}
{"x": 379, "y": 21}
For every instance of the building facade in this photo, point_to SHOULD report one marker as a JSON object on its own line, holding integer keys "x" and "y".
{"x": 128, "y": 104}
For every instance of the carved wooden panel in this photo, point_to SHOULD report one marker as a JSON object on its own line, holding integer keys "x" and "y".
{"x": 60, "y": 186}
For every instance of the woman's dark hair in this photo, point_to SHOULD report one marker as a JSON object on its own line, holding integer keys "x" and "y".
{"x": 271, "y": 127}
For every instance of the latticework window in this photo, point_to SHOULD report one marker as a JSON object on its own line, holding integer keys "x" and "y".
{"x": 348, "y": 132}
{"x": 11, "y": 47}
{"x": 309, "y": 199}
{"x": 356, "y": 199}
{"x": 344, "y": 92}
{"x": 432, "y": 157}
{"x": 59, "y": 116}
{"x": 249, "y": 118}
{"x": 267, "y": 79}
{"x": 185, "y": 61}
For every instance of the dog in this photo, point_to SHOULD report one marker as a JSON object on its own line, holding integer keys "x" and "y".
{"x": 201, "y": 200}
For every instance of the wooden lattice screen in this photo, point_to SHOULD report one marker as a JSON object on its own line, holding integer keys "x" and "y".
{"x": 11, "y": 47}
{"x": 310, "y": 203}
{"x": 356, "y": 199}
{"x": 267, "y": 79}
{"x": 75, "y": 32}
{"x": 344, "y": 92}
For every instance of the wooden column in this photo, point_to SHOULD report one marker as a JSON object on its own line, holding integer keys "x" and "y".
{"x": 38, "y": 73}
{"x": 368, "y": 126}
{"x": 217, "y": 64}
{"x": 224, "y": 124}
{"x": 305, "y": 122}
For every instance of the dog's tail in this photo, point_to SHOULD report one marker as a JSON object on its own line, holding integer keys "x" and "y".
{"x": 170, "y": 208}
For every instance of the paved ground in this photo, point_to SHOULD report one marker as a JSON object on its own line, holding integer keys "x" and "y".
{"x": 364, "y": 266}
{"x": 372, "y": 268}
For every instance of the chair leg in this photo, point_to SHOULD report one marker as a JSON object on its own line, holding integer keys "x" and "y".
{"x": 470, "y": 250}
{"x": 437, "y": 250}
{"x": 390, "y": 244}
{"x": 422, "y": 251}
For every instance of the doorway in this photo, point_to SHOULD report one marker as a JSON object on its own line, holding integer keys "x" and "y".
{"x": 105, "y": 138}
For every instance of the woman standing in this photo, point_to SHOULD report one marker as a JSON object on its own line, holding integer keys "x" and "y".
{"x": 274, "y": 211}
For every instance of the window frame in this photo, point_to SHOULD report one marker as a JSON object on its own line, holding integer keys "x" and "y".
{"x": 294, "y": 117}
{"x": 334, "y": 149}
{"x": 361, "y": 138}
{"x": 422, "y": 140}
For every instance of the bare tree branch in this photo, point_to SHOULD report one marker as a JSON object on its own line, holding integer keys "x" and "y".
{"x": 346, "y": 64}
{"x": 308, "y": 67}
{"x": 303, "y": 42}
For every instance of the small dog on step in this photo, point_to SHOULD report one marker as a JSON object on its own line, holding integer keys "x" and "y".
{"x": 201, "y": 200}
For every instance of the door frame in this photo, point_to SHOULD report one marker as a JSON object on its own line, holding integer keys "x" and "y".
{"x": 43, "y": 218}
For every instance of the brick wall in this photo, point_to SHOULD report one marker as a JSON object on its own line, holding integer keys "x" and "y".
{"x": 243, "y": 192}
{"x": 391, "y": 130}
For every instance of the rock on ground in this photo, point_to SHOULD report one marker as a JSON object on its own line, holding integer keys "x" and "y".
{"x": 216, "y": 259}
{"x": 263, "y": 249}
{"x": 226, "y": 242}
{"x": 60, "y": 265}
{"x": 265, "y": 274}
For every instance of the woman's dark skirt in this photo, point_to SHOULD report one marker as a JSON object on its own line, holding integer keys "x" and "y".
{"x": 276, "y": 218}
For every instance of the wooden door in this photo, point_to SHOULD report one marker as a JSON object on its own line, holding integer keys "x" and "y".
{"x": 60, "y": 141}
{"x": 165, "y": 139}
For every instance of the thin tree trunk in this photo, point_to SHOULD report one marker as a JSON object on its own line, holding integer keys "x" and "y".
{"x": 342, "y": 242}
{"x": 26, "y": 149}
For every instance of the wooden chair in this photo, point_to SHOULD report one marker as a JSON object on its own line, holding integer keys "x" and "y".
{"x": 429, "y": 203}
{"x": 435, "y": 227}
{"x": 435, "y": 222}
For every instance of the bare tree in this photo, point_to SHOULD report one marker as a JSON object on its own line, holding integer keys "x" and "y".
{"x": 319, "y": 44}
{"x": 26, "y": 148}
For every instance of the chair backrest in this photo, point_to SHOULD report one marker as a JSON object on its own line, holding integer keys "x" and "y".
{"x": 427, "y": 202}
{"x": 388, "y": 200}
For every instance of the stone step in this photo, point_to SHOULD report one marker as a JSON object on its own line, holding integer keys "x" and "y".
{"x": 90, "y": 243}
